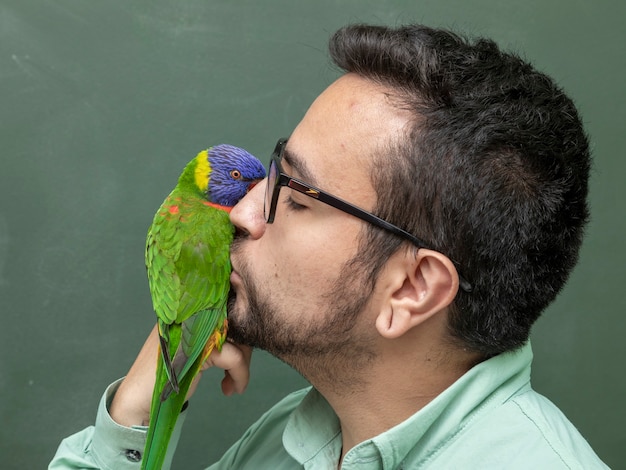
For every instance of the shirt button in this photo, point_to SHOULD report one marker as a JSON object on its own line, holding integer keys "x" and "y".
{"x": 133, "y": 455}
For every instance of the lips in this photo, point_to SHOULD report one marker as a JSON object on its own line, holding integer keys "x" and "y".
{"x": 235, "y": 278}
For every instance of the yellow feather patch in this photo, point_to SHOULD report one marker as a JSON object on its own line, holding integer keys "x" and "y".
{"x": 203, "y": 168}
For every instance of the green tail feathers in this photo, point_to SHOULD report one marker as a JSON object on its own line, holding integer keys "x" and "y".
{"x": 200, "y": 333}
{"x": 163, "y": 417}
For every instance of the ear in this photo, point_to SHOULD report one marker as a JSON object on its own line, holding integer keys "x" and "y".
{"x": 419, "y": 285}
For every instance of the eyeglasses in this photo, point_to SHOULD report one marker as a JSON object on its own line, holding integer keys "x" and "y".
{"x": 276, "y": 179}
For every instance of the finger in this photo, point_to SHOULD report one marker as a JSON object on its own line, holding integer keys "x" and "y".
{"x": 235, "y": 360}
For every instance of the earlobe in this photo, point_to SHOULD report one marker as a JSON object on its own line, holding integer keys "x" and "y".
{"x": 393, "y": 324}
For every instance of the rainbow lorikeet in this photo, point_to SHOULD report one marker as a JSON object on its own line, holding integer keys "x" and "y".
{"x": 188, "y": 264}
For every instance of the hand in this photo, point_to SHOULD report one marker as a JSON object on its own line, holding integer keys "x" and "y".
{"x": 235, "y": 360}
{"x": 131, "y": 404}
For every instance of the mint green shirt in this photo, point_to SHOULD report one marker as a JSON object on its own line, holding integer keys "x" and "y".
{"x": 489, "y": 419}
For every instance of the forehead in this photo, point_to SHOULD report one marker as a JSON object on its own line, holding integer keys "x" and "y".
{"x": 333, "y": 146}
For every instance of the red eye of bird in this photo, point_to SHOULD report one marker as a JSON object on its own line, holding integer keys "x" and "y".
{"x": 235, "y": 174}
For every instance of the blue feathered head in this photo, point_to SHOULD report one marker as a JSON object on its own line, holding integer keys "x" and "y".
{"x": 233, "y": 172}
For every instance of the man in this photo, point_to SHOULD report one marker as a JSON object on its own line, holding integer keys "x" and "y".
{"x": 412, "y": 325}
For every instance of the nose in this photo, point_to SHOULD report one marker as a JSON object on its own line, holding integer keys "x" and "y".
{"x": 247, "y": 216}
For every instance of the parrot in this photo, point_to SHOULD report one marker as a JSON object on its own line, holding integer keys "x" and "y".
{"x": 187, "y": 260}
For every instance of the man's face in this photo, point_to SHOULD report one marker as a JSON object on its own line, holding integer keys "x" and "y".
{"x": 296, "y": 293}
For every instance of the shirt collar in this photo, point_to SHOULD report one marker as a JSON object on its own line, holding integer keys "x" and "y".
{"x": 313, "y": 435}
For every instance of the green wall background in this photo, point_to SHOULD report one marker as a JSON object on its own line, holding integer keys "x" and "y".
{"x": 102, "y": 104}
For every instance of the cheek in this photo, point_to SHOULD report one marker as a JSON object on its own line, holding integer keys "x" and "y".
{"x": 301, "y": 265}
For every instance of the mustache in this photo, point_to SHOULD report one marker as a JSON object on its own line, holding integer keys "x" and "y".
{"x": 238, "y": 239}
{"x": 237, "y": 261}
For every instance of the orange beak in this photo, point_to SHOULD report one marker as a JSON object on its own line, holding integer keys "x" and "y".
{"x": 252, "y": 185}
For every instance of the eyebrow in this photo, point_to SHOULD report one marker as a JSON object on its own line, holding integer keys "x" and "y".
{"x": 300, "y": 167}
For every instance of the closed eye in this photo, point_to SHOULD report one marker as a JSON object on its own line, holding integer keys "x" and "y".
{"x": 293, "y": 205}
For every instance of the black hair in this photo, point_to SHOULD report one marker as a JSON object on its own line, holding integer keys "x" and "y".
{"x": 493, "y": 172}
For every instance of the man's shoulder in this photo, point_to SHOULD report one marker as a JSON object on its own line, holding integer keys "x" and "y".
{"x": 542, "y": 418}
{"x": 525, "y": 430}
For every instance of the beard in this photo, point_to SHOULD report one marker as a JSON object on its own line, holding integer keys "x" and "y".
{"x": 329, "y": 348}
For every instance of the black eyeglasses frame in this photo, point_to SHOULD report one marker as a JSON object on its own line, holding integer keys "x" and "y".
{"x": 283, "y": 179}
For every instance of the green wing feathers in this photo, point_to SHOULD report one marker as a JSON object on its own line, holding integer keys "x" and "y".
{"x": 196, "y": 339}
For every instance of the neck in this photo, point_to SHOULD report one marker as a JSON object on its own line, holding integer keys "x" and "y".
{"x": 390, "y": 389}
